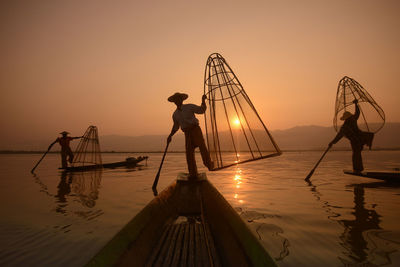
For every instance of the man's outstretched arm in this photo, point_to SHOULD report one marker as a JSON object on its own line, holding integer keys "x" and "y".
{"x": 52, "y": 144}
{"x": 201, "y": 109}
{"x": 203, "y": 102}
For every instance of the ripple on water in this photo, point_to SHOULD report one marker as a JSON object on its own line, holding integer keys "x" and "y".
{"x": 59, "y": 220}
{"x": 22, "y": 246}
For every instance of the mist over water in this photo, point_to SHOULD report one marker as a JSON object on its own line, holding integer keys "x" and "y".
{"x": 53, "y": 218}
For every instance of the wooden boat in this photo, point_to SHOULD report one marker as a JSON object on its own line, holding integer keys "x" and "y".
{"x": 188, "y": 224}
{"x": 387, "y": 176}
{"x": 128, "y": 162}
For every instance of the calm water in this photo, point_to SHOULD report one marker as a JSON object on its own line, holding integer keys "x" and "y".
{"x": 58, "y": 219}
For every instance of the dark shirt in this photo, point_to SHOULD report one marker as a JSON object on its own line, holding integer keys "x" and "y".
{"x": 64, "y": 141}
{"x": 350, "y": 129}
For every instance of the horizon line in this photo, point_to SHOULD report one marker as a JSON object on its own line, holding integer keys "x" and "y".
{"x": 8, "y": 151}
{"x": 284, "y": 129}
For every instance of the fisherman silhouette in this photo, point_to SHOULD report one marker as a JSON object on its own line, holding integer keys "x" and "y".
{"x": 185, "y": 119}
{"x": 65, "y": 148}
{"x": 357, "y": 137}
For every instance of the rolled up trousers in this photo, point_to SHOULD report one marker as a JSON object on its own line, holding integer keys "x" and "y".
{"x": 194, "y": 138}
{"x": 64, "y": 154}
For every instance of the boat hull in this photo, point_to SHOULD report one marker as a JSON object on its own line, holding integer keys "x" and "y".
{"x": 189, "y": 222}
{"x": 129, "y": 162}
{"x": 393, "y": 177}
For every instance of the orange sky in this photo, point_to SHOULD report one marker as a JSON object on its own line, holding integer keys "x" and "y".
{"x": 68, "y": 64}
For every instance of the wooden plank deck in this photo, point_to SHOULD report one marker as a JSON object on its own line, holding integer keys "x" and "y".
{"x": 185, "y": 242}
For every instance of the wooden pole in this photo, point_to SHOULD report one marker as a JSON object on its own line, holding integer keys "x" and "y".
{"x": 154, "y": 187}
{"x": 316, "y": 165}
{"x": 33, "y": 169}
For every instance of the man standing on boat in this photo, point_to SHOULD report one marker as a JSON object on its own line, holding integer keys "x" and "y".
{"x": 357, "y": 137}
{"x": 185, "y": 119}
{"x": 65, "y": 148}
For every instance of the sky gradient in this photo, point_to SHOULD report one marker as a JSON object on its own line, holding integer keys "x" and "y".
{"x": 66, "y": 65}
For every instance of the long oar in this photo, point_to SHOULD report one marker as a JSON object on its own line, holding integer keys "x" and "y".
{"x": 42, "y": 157}
{"x": 154, "y": 187}
{"x": 316, "y": 165}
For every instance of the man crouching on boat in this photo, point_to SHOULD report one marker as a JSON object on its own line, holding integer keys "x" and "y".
{"x": 185, "y": 119}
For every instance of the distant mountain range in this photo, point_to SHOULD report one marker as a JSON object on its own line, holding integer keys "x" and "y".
{"x": 297, "y": 138}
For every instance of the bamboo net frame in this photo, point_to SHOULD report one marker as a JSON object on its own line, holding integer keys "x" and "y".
{"x": 234, "y": 130}
{"x": 88, "y": 150}
{"x": 372, "y": 117}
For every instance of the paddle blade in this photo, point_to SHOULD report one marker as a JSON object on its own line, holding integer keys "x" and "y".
{"x": 156, "y": 180}
{"x": 155, "y": 192}
{"x": 154, "y": 187}
{"x": 309, "y": 175}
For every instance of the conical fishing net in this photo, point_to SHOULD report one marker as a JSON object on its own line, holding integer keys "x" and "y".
{"x": 372, "y": 117}
{"x": 88, "y": 150}
{"x": 234, "y": 130}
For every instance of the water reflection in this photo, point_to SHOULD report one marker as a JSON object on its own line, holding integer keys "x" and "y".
{"x": 269, "y": 234}
{"x": 364, "y": 220}
{"x": 325, "y": 204}
{"x": 362, "y": 237}
{"x": 238, "y": 180}
{"x": 63, "y": 189}
{"x": 86, "y": 188}
{"x": 75, "y": 187}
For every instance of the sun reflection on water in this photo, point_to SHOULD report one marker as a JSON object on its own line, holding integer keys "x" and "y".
{"x": 237, "y": 158}
{"x": 238, "y": 181}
